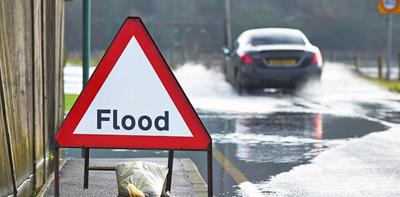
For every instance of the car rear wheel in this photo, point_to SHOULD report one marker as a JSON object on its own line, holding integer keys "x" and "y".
{"x": 238, "y": 83}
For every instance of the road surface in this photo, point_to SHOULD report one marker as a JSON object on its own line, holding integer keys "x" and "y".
{"x": 263, "y": 143}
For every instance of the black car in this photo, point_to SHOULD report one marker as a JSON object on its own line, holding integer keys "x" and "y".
{"x": 271, "y": 58}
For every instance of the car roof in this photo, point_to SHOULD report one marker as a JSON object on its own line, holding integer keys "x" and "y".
{"x": 248, "y": 34}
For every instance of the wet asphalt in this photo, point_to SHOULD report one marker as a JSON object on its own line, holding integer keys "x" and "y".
{"x": 268, "y": 142}
{"x": 264, "y": 145}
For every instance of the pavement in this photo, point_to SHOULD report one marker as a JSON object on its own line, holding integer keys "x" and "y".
{"x": 186, "y": 180}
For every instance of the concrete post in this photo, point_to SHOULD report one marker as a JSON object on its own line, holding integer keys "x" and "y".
{"x": 172, "y": 63}
{"x": 381, "y": 61}
{"x": 389, "y": 45}
{"x": 357, "y": 62}
{"x": 333, "y": 57}
{"x": 398, "y": 63}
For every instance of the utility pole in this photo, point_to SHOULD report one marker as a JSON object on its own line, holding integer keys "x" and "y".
{"x": 86, "y": 41}
{"x": 389, "y": 45}
{"x": 86, "y": 4}
{"x": 228, "y": 29}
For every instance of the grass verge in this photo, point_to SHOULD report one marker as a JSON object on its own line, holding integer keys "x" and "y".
{"x": 392, "y": 85}
{"x": 78, "y": 61}
{"x": 69, "y": 101}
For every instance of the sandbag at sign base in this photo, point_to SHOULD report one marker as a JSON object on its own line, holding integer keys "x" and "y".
{"x": 133, "y": 191}
{"x": 141, "y": 179}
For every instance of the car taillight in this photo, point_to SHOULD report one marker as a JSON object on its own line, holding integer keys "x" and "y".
{"x": 246, "y": 59}
{"x": 317, "y": 59}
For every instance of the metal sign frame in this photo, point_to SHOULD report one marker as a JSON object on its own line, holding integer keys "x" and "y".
{"x": 87, "y": 168}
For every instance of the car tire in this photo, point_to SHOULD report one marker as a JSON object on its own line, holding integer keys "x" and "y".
{"x": 315, "y": 77}
{"x": 238, "y": 83}
{"x": 225, "y": 72}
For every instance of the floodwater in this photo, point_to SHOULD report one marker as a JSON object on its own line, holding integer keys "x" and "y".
{"x": 261, "y": 145}
{"x": 269, "y": 133}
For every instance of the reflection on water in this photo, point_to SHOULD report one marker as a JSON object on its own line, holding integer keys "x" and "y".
{"x": 318, "y": 132}
{"x": 285, "y": 137}
{"x": 264, "y": 145}
{"x": 261, "y": 145}
{"x": 382, "y": 112}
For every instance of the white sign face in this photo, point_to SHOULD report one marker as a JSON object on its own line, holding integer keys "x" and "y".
{"x": 133, "y": 101}
{"x": 390, "y": 4}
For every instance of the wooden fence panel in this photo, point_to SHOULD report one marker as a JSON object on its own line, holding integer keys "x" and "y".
{"x": 6, "y": 184}
{"x": 46, "y": 117}
{"x": 16, "y": 85}
{"x": 38, "y": 134}
{"x": 6, "y": 187}
{"x": 50, "y": 78}
{"x": 31, "y": 73}
{"x": 61, "y": 61}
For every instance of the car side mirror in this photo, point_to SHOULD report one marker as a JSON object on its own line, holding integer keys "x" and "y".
{"x": 226, "y": 51}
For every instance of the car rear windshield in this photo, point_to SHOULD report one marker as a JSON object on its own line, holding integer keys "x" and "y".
{"x": 274, "y": 39}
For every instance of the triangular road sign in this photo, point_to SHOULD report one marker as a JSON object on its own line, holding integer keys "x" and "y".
{"x": 133, "y": 100}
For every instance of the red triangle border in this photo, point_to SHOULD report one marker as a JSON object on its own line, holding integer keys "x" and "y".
{"x": 133, "y": 26}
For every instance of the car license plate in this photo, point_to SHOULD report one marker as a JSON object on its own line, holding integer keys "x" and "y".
{"x": 281, "y": 61}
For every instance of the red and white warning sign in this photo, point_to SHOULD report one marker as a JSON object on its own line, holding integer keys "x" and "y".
{"x": 133, "y": 100}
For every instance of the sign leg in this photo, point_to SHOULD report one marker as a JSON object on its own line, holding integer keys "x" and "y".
{"x": 169, "y": 175}
{"x": 210, "y": 172}
{"x": 86, "y": 169}
{"x": 56, "y": 172}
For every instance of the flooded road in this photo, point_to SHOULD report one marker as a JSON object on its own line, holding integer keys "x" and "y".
{"x": 266, "y": 145}
{"x": 262, "y": 145}
{"x": 269, "y": 133}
